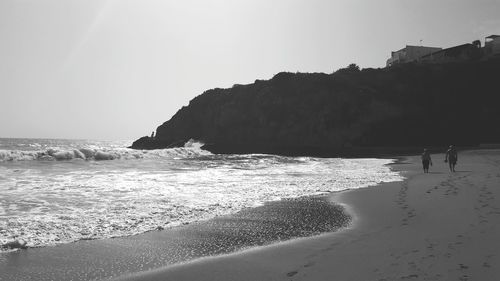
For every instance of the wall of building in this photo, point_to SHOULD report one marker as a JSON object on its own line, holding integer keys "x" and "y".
{"x": 454, "y": 54}
{"x": 409, "y": 54}
{"x": 492, "y": 47}
{"x": 416, "y": 52}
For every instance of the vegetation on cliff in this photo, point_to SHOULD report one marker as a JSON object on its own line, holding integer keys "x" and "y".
{"x": 326, "y": 114}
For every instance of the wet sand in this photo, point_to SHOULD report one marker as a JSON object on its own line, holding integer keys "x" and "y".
{"x": 104, "y": 259}
{"x": 435, "y": 226}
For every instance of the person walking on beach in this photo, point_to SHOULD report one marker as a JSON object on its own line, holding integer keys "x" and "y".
{"x": 451, "y": 157}
{"x": 426, "y": 160}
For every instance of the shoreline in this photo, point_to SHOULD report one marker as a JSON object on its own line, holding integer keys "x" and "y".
{"x": 114, "y": 257}
{"x": 436, "y": 226}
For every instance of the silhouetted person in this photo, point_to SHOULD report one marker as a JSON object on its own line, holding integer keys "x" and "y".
{"x": 426, "y": 160}
{"x": 153, "y": 134}
{"x": 451, "y": 157}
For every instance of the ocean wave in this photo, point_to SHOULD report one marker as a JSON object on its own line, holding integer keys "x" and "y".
{"x": 191, "y": 149}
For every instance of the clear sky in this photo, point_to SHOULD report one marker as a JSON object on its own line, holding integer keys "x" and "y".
{"x": 116, "y": 69}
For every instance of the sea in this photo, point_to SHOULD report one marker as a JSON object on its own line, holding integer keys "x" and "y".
{"x": 56, "y": 191}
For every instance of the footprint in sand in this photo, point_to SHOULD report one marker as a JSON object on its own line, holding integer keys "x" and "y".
{"x": 309, "y": 264}
{"x": 431, "y": 189}
{"x": 412, "y": 266}
{"x": 291, "y": 273}
{"x": 462, "y": 266}
{"x": 411, "y": 276}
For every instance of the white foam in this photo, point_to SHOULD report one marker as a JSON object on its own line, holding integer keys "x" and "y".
{"x": 191, "y": 149}
{"x": 67, "y": 199}
{"x": 47, "y": 207}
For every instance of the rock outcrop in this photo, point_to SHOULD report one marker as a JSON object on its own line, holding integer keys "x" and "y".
{"x": 331, "y": 114}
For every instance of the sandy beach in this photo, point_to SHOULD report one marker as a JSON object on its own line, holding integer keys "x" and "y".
{"x": 436, "y": 226}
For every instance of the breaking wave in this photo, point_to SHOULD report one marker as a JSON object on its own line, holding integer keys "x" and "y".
{"x": 56, "y": 191}
{"x": 191, "y": 149}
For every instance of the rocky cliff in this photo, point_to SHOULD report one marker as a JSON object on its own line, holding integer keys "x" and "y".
{"x": 331, "y": 114}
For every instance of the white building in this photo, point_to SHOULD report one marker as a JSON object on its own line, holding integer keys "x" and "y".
{"x": 492, "y": 45}
{"x": 410, "y": 54}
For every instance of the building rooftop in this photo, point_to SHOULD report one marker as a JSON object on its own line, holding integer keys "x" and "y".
{"x": 452, "y": 51}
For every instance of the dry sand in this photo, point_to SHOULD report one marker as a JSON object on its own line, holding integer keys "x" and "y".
{"x": 436, "y": 226}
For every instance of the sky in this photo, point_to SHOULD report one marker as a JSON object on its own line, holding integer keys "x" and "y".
{"x": 117, "y": 69}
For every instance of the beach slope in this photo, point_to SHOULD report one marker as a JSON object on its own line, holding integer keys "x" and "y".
{"x": 436, "y": 226}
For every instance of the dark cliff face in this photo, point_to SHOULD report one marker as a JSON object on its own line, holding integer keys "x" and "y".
{"x": 325, "y": 114}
